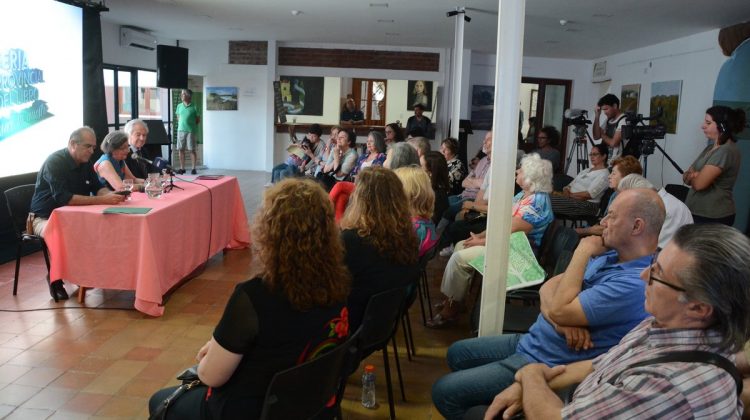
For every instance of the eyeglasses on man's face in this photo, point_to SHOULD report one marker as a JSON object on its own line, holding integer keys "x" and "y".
{"x": 652, "y": 279}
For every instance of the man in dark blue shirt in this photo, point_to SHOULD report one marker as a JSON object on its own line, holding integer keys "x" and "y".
{"x": 67, "y": 178}
{"x": 350, "y": 114}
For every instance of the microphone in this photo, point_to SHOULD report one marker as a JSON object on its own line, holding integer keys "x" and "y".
{"x": 161, "y": 164}
{"x": 137, "y": 156}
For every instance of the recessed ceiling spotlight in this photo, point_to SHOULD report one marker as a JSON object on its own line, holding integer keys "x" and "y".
{"x": 296, "y": 12}
{"x": 378, "y": 4}
{"x": 563, "y": 22}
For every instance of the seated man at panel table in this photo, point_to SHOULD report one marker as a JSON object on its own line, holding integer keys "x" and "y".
{"x": 584, "y": 311}
{"x": 137, "y": 131}
{"x": 698, "y": 293}
{"x": 67, "y": 178}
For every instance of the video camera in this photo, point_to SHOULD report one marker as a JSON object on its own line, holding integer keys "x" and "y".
{"x": 641, "y": 138}
{"x": 578, "y": 118}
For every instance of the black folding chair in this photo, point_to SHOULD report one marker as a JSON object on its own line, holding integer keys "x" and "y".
{"x": 304, "y": 391}
{"x": 18, "y": 200}
{"x": 378, "y": 328}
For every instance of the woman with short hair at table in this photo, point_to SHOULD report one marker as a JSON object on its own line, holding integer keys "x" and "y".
{"x": 380, "y": 243}
{"x": 281, "y": 318}
{"x": 111, "y": 167}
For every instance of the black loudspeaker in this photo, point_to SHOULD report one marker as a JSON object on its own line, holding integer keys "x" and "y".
{"x": 171, "y": 67}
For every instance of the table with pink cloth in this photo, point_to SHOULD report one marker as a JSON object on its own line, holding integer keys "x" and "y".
{"x": 149, "y": 253}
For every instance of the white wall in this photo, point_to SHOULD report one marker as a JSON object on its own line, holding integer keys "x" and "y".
{"x": 695, "y": 60}
{"x": 113, "y": 53}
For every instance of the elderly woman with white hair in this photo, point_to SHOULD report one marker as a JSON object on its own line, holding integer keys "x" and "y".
{"x": 531, "y": 213}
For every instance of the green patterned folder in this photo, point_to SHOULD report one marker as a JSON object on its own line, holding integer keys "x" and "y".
{"x": 523, "y": 268}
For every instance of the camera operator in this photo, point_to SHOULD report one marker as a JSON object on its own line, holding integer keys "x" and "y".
{"x": 611, "y": 133}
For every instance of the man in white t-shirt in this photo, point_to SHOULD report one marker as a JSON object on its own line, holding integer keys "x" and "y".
{"x": 610, "y": 131}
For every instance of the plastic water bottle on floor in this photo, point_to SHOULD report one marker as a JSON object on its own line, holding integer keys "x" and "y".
{"x": 368, "y": 387}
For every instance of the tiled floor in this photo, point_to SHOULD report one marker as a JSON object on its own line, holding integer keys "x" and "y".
{"x": 60, "y": 361}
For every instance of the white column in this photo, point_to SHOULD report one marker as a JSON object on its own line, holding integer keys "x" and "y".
{"x": 510, "y": 22}
{"x": 457, "y": 69}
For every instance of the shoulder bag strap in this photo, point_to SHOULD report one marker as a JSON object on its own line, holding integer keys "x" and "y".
{"x": 694, "y": 356}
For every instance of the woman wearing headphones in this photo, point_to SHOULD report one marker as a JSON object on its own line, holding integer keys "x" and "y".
{"x": 712, "y": 175}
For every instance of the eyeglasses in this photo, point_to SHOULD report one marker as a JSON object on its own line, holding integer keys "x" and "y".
{"x": 652, "y": 279}
{"x": 594, "y": 154}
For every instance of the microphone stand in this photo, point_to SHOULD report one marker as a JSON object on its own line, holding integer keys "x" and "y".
{"x": 171, "y": 185}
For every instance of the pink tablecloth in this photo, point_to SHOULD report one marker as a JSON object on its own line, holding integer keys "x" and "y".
{"x": 148, "y": 253}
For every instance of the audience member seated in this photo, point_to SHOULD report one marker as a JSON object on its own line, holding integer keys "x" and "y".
{"x": 281, "y": 318}
{"x": 314, "y": 169}
{"x": 742, "y": 360}
{"x": 581, "y": 197}
{"x": 621, "y": 167}
{"x": 531, "y": 213}
{"x": 418, "y": 122}
{"x": 456, "y": 168}
{"x": 111, "y": 168}
{"x": 350, "y": 114}
{"x": 471, "y": 218}
{"x": 67, "y": 178}
{"x": 380, "y": 243}
{"x": 137, "y": 132}
{"x": 698, "y": 295}
{"x": 399, "y": 155}
{"x": 678, "y": 214}
{"x": 584, "y": 311}
{"x": 437, "y": 168}
{"x": 375, "y": 154}
{"x": 546, "y": 143}
{"x": 294, "y": 164}
{"x": 393, "y": 134}
{"x": 420, "y": 197}
{"x": 421, "y": 145}
{"x": 341, "y": 160}
{"x": 473, "y": 182}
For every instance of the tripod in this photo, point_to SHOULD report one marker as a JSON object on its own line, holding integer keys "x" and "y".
{"x": 645, "y": 152}
{"x": 582, "y": 149}
{"x": 171, "y": 185}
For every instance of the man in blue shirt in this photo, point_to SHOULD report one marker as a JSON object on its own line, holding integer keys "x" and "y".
{"x": 585, "y": 310}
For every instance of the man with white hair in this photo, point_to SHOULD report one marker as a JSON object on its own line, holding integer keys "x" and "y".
{"x": 678, "y": 214}
{"x": 137, "y": 132}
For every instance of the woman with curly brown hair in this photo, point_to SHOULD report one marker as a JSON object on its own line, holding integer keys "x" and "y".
{"x": 281, "y": 318}
{"x": 381, "y": 246}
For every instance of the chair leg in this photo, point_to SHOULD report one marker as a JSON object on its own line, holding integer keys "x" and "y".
{"x": 427, "y": 292}
{"x": 18, "y": 267}
{"x": 388, "y": 385}
{"x": 421, "y": 300}
{"x": 398, "y": 368}
{"x": 406, "y": 335}
{"x": 410, "y": 336}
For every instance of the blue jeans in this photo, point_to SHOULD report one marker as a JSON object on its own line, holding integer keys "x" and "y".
{"x": 482, "y": 367}
{"x": 282, "y": 171}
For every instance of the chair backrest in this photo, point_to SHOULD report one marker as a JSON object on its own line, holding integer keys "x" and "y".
{"x": 381, "y": 319}
{"x": 18, "y": 200}
{"x": 604, "y": 201}
{"x": 303, "y": 391}
{"x": 564, "y": 239}
{"x": 549, "y": 233}
{"x": 560, "y": 180}
{"x": 679, "y": 191}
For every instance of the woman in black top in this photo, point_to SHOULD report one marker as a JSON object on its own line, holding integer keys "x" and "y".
{"x": 381, "y": 246}
{"x": 285, "y": 316}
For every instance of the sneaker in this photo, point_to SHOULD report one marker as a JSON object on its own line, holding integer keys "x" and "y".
{"x": 193, "y": 172}
{"x": 180, "y": 171}
{"x": 447, "y": 251}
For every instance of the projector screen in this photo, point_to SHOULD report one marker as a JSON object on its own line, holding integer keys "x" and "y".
{"x": 41, "y": 87}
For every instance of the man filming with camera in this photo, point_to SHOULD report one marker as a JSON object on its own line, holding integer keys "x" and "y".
{"x": 611, "y": 132}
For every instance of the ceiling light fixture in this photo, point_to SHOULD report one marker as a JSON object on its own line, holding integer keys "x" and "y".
{"x": 296, "y": 12}
{"x": 457, "y": 12}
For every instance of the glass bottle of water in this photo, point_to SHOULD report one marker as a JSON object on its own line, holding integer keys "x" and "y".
{"x": 368, "y": 387}
{"x": 153, "y": 186}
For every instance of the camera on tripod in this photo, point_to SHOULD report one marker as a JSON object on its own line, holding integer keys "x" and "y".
{"x": 642, "y": 138}
{"x": 578, "y": 118}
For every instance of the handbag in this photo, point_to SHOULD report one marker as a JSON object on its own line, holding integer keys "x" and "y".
{"x": 190, "y": 380}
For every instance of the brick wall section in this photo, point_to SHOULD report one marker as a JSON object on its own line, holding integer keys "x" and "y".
{"x": 359, "y": 59}
{"x": 248, "y": 52}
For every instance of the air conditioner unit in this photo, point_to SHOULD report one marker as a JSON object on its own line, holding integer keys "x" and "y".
{"x": 130, "y": 37}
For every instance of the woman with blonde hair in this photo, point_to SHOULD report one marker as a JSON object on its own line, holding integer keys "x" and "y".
{"x": 421, "y": 201}
{"x": 380, "y": 243}
{"x": 283, "y": 317}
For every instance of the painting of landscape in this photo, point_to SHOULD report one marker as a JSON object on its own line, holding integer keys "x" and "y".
{"x": 666, "y": 95}
{"x": 221, "y": 98}
{"x": 629, "y": 98}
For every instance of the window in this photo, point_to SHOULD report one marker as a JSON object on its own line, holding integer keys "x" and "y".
{"x": 132, "y": 93}
{"x": 371, "y": 94}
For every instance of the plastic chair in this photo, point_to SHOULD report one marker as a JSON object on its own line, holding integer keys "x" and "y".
{"x": 18, "y": 200}
{"x": 378, "y": 327}
{"x": 304, "y": 391}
